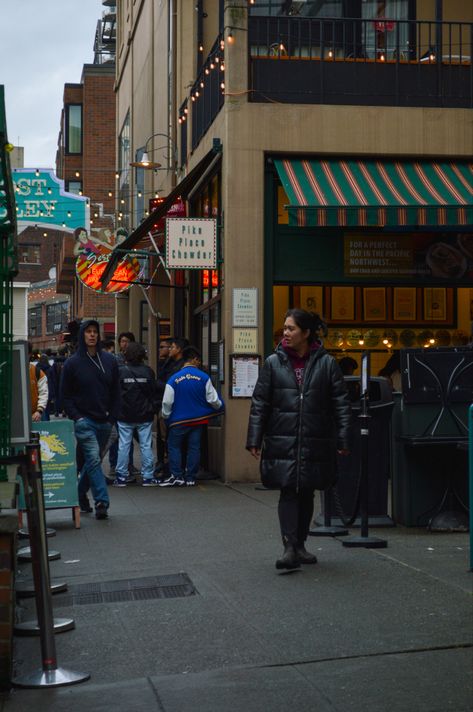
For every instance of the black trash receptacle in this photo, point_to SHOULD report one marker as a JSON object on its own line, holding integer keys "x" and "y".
{"x": 381, "y": 405}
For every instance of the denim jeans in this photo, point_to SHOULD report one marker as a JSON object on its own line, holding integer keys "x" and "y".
{"x": 92, "y": 437}
{"x": 125, "y": 438}
{"x": 181, "y": 437}
{"x": 113, "y": 453}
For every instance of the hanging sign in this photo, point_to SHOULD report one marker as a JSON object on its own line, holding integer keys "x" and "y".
{"x": 191, "y": 243}
{"x": 41, "y": 199}
{"x": 93, "y": 253}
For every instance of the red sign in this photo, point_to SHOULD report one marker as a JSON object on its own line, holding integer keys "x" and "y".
{"x": 93, "y": 255}
{"x": 177, "y": 210}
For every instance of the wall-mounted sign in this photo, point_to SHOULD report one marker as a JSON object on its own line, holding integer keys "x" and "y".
{"x": 245, "y": 307}
{"x": 41, "y": 199}
{"x": 425, "y": 256}
{"x": 245, "y": 341}
{"x": 244, "y": 373}
{"x": 93, "y": 253}
{"x": 191, "y": 243}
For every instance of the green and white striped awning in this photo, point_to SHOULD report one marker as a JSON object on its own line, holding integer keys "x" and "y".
{"x": 353, "y": 193}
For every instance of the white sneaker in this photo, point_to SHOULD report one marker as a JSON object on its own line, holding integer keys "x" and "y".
{"x": 172, "y": 482}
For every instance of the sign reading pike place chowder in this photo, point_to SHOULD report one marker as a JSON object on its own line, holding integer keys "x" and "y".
{"x": 191, "y": 243}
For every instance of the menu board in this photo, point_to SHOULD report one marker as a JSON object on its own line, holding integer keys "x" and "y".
{"x": 245, "y": 372}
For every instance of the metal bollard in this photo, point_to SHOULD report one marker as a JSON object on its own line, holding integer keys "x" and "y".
{"x": 50, "y": 675}
{"x": 366, "y": 541}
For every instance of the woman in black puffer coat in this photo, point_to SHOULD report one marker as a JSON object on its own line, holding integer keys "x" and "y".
{"x": 300, "y": 416}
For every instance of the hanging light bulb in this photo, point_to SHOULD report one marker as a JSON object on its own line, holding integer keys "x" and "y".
{"x": 36, "y": 172}
{"x": 230, "y": 38}
{"x": 110, "y": 194}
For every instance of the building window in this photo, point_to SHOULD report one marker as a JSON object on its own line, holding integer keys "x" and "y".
{"x": 124, "y": 158}
{"x": 74, "y": 128}
{"x": 323, "y": 8}
{"x": 74, "y": 186}
{"x": 29, "y": 254}
{"x": 56, "y": 317}
{"x": 34, "y": 321}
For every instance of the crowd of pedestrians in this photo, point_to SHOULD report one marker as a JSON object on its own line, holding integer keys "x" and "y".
{"x": 116, "y": 398}
{"x": 299, "y": 418}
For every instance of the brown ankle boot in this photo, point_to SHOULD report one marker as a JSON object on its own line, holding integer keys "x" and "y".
{"x": 289, "y": 559}
{"x": 304, "y": 556}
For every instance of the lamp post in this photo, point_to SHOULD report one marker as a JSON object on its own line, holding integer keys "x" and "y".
{"x": 145, "y": 161}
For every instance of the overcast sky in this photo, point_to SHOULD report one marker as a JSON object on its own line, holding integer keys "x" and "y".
{"x": 44, "y": 45}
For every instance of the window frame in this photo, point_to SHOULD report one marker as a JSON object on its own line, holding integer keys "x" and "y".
{"x": 67, "y": 129}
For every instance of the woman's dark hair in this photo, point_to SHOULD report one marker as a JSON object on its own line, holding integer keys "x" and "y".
{"x": 135, "y": 353}
{"x": 308, "y": 320}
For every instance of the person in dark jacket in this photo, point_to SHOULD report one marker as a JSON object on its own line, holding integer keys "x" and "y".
{"x": 300, "y": 416}
{"x": 139, "y": 405}
{"x": 90, "y": 395}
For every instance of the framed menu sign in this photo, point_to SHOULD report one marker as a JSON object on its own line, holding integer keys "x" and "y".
{"x": 244, "y": 370}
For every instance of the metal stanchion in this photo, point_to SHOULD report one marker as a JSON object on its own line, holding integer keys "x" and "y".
{"x": 50, "y": 675}
{"x": 364, "y": 540}
{"x": 25, "y": 554}
{"x": 328, "y": 529}
{"x": 24, "y": 533}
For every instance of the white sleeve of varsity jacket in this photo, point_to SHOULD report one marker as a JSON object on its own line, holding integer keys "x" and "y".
{"x": 168, "y": 401}
{"x": 43, "y": 392}
{"x": 211, "y": 396}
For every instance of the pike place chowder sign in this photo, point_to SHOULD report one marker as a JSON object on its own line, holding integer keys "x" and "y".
{"x": 191, "y": 243}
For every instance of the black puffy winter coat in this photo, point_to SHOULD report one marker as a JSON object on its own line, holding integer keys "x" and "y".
{"x": 299, "y": 428}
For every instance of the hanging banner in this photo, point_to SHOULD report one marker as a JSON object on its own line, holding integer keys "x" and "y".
{"x": 93, "y": 253}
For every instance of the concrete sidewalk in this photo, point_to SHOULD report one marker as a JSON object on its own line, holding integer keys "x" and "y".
{"x": 363, "y": 630}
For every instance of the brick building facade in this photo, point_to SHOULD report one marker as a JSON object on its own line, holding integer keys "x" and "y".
{"x": 86, "y": 162}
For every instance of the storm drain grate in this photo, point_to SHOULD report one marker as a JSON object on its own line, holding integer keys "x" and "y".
{"x": 142, "y": 589}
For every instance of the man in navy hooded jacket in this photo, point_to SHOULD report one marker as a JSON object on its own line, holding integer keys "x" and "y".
{"x": 90, "y": 391}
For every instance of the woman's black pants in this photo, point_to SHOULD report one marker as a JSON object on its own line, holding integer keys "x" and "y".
{"x": 295, "y": 511}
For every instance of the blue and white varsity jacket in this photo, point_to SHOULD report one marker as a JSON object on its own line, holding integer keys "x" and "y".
{"x": 190, "y": 398}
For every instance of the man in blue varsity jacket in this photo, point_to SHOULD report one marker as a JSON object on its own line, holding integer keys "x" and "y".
{"x": 189, "y": 401}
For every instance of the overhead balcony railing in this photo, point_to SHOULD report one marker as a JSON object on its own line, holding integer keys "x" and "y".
{"x": 354, "y": 61}
{"x": 207, "y": 94}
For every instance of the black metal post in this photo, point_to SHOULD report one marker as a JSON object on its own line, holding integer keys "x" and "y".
{"x": 364, "y": 418}
{"x": 49, "y": 675}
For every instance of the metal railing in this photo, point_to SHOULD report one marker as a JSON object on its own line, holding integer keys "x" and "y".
{"x": 207, "y": 94}
{"x": 325, "y": 56}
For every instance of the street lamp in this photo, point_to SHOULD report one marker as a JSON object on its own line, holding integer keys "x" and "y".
{"x": 145, "y": 161}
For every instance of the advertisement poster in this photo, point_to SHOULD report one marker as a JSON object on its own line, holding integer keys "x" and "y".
{"x": 58, "y": 460}
{"x": 427, "y": 256}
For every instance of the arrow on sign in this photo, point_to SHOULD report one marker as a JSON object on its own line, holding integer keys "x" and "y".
{"x": 49, "y": 494}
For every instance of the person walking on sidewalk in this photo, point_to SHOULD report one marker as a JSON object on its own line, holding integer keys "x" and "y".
{"x": 90, "y": 393}
{"x": 300, "y": 416}
{"x": 189, "y": 401}
{"x": 139, "y": 404}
